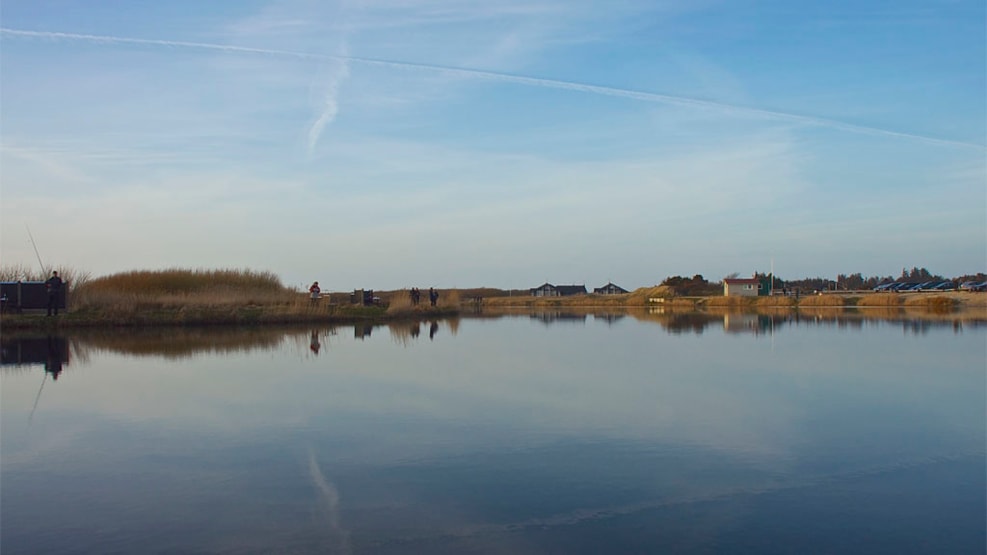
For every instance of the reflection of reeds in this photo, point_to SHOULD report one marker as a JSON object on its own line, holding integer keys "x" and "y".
{"x": 182, "y": 342}
{"x": 403, "y": 331}
{"x": 881, "y": 312}
{"x": 822, "y": 311}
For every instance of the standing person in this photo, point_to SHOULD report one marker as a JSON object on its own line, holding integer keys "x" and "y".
{"x": 433, "y": 295}
{"x": 314, "y": 291}
{"x": 54, "y": 288}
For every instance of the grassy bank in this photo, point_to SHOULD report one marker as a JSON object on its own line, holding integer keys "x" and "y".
{"x": 202, "y": 297}
{"x": 662, "y": 296}
{"x": 243, "y": 297}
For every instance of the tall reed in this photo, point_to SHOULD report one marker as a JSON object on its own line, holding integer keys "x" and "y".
{"x": 179, "y": 288}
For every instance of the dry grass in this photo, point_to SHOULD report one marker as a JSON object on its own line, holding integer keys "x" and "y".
{"x": 587, "y": 301}
{"x": 934, "y": 303}
{"x": 399, "y": 303}
{"x": 730, "y": 302}
{"x": 183, "y": 289}
{"x": 881, "y": 299}
{"x": 823, "y": 300}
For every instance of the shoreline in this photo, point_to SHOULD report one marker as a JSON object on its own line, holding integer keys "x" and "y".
{"x": 954, "y": 304}
{"x": 215, "y": 316}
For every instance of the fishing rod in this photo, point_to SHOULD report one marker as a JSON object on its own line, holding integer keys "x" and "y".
{"x": 44, "y": 271}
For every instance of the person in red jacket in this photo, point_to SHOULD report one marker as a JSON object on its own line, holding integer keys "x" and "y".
{"x": 315, "y": 291}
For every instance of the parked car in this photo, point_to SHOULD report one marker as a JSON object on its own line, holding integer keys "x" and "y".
{"x": 884, "y": 286}
{"x": 944, "y": 286}
{"x": 982, "y": 286}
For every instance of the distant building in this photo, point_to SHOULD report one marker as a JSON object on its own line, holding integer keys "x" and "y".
{"x": 549, "y": 290}
{"x": 610, "y": 289}
{"x": 741, "y": 287}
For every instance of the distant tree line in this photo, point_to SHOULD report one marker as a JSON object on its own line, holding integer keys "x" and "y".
{"x": 699, "y": 286}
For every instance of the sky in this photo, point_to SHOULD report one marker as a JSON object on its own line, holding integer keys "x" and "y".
{"x": 386, "y": 144}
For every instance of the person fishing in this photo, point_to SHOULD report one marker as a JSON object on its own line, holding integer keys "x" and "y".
{"x": 314, "y": 290}
{"x": 54, "y": 288}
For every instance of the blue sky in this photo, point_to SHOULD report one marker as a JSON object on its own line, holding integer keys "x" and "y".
{"x": 452, "y": 143}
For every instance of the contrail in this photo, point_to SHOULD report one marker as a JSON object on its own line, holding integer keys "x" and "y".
{"x": 330, "y": 106}
{"x": 511, "y": 78}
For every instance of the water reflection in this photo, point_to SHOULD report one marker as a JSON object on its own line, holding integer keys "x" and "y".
{"x": 52, "y": 351}
{"x": 627, "y": 432}
{"x": 314, "y": 344}
{"x": 558, "y": 317}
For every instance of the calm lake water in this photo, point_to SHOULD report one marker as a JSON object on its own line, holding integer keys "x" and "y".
{"x": 523, "y": 433}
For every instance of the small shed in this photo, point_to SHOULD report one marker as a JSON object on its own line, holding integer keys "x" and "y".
{"x": 741, "y": 287}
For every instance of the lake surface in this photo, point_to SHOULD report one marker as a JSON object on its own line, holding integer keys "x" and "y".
{"x": 520, "y": 433}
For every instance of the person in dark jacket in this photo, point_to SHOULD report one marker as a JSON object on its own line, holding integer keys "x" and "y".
{"x": 54, "y": 288}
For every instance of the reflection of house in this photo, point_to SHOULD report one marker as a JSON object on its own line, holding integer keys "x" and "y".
{"x": 549, "y": 290}
{"x": 740, "y": 287}
{"x": 610, "y": 289}
{"x": 739, "y": 323}
{"x": 558, "y": 316}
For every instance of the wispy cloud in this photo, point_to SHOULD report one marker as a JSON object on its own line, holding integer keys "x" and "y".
{"x": 330, "y": 109}
{"x": 338, "y": 72}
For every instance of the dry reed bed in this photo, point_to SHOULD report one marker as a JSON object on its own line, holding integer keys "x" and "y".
{"x": 187, "y": 296}
{"x": 399, "y": 304}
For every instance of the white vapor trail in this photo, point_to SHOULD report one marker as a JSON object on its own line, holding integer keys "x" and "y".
{"x": 331, "y": 107}
{"x": 330, "y": 496}
{"x": 329, "y": 112}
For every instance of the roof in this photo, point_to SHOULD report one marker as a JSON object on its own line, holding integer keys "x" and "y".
{"x": 741, "y": 281}
{"x": 609, "y": 285}
{"x": 562, "y": 289}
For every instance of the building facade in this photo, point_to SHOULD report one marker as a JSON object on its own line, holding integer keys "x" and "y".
{"x": 610, "y": 289}
{"x": 741, "y": 287}
{"x": 549, "y": 290}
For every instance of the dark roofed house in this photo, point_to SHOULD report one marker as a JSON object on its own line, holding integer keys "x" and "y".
{"x": 566, "y": 290}
{"x": 610, "y": 289}
{"x": 549, "y": 290}
{"x": 546, "y": 290}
